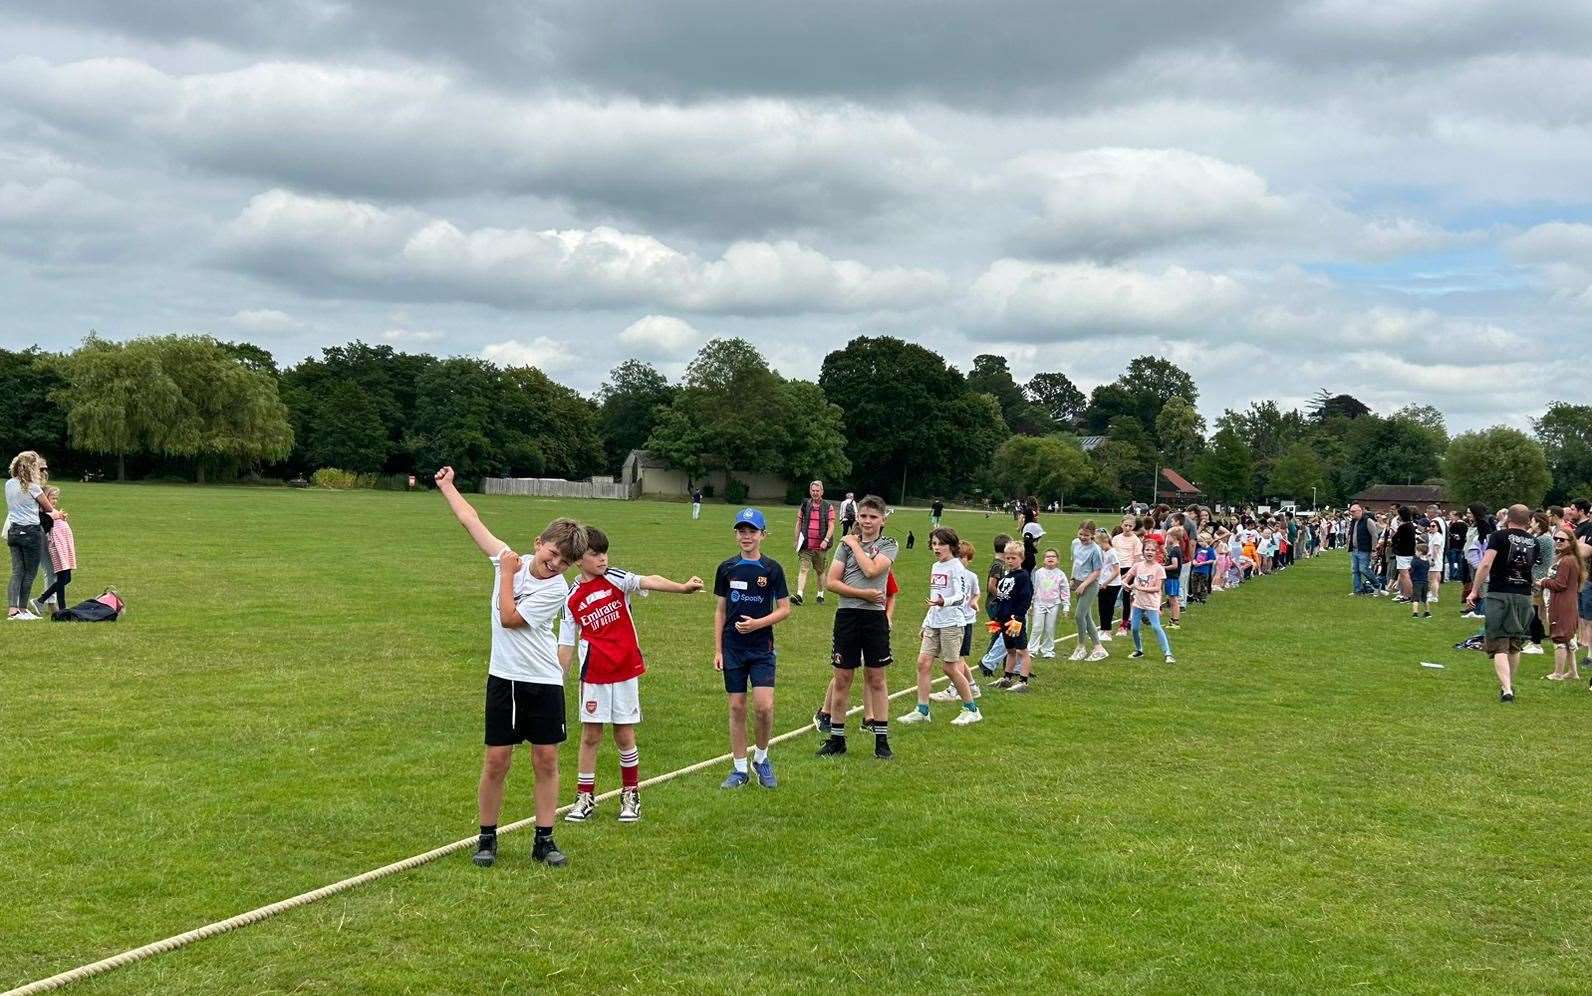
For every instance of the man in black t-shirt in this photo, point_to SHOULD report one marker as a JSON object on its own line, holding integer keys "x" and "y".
{"x": 935, "y": 511}
{"x": 1507, "y": 565}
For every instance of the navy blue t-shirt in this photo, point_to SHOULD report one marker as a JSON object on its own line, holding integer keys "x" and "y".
{"x": 750, "y": 589}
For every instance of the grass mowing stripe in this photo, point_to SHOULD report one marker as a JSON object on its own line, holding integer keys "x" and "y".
{"x": 414, "y": 861}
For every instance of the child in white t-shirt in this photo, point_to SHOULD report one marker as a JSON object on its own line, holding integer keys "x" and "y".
{"x": 1051, "y": 600}
{"x": 1434, "y": 546}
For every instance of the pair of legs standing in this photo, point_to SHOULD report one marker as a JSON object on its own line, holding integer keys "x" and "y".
{"x": 1153, "y": 617}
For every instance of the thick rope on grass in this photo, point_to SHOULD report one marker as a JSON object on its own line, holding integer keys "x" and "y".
{"x": 315, "y": 895}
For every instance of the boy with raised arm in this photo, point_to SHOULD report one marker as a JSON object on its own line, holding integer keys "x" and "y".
{"x": 751, "y": 598}
{"x": 598, "y": 621}
{"x": 525, "y": 682}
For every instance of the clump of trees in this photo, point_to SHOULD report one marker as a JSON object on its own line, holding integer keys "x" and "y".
{"x": 886, "y": 415}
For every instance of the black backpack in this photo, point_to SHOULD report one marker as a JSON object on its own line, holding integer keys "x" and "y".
{"x": 108, "y": 607}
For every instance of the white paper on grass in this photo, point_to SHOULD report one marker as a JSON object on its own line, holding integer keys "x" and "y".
{"x": 1430, "y": 664}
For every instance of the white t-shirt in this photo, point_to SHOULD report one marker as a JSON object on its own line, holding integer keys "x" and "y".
{"x": 969, "y": 613}
{"x": 22, "y": 506}
{"x": 1110, "y": 573}
{"x": 948, "y": 581}
{"x": 529, "y": 652}
{"x": 1434, "y": 548}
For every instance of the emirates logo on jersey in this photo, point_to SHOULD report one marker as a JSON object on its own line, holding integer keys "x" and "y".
{"x": 594, "y": 596}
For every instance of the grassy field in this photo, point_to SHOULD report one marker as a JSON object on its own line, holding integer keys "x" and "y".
{"x": 295, "y": 697}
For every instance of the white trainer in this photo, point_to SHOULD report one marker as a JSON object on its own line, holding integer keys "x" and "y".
{"x": 1078, "y": 654}
{"x": 945, "y": 695}
{"x": 1532, "y": 648}
{"x": 968, "y": 718}
{"x": 1098, "y": 655}
{"x": 1105, "y": 636}
{"x": 977, "y": 692}
{"x": 915, "y": 717}
{"x": 585, "y": 805}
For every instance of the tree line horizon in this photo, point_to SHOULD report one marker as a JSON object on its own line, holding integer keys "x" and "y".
{"x": 885, "y": 415}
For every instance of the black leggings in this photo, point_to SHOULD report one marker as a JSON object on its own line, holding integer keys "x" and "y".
{"x": 1108, "y": 605}
{"x": 58, "y": 589}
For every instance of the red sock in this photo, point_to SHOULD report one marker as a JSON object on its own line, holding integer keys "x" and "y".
{"x": 630, "y": 768}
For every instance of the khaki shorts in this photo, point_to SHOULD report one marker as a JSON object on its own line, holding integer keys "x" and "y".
{"x": 943, "y": 643}
{"x": 819, "y": 559}
{"x": 1508, "y": 623}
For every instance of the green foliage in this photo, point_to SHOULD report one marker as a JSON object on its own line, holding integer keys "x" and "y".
{"x": 1389, "y": 451}
{"x": 1180, "y": 431}
{"x": 630, "y": 400}
{"x": 990, "y": 375}
{"x": 1497, "y": 467}
{"x": 1046, "y": 467}
{"x": 342, "y": 480}
{"x": 1327, "y": 405}
{"x": 814, "y": 431}
{"x": 1295, "y": 473}
{"x": 345, "y": 429}
{"x": 1058, "y": 398}
{"x": 29, "y": 419}
{"x": 1565, "y": 431}
{"x": 1147, "y": 384}
{"x": 735, "y": 491}
{"x": 1226, "y": 471}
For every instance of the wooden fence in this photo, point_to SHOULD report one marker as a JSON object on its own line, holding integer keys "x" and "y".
{"x": 556, "y": 487}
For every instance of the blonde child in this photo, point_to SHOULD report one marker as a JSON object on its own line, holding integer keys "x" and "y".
{"x": 1147, "y": 578}
{"x": 61, "y": 548}
{"x": 1051, "y": 599}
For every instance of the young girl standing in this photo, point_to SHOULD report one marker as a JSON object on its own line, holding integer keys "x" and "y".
{"x": 1050, "y": 601}
{"x": 61, "y": 548}
{"x": 1147, "y": 577}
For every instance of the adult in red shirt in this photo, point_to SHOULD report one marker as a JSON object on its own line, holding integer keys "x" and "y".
{"x": 815, "y": 534}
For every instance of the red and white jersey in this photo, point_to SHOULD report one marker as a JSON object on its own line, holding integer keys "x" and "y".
{"x": 598, "y": 623}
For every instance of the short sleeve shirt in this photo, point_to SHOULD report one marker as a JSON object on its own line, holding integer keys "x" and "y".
{"x": 851, "y": 571}
{"x": 529, "y": 652}
{"x": 1148, "y": 579}
{"x": 22, "y": 504}
{"x": 1514, "y": 555}
{"x": 750, "y": 589}
{"x": 598, "y": 622}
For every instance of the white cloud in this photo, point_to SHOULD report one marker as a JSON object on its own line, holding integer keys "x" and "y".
{"x": 1561, "y": 253}
{"x": 1020, "y": 300}
{"x": 545, "y": 354}
{"x": 661, "y": 337}
{"x": 410, "y": 336}
{"x": 265, "y": 320}
{"x": 358, "y": 248}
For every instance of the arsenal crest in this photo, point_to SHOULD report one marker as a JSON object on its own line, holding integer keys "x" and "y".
{"x": 591, "y": 707}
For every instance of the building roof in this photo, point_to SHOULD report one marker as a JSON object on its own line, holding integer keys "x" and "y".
{"x": 1402, "y": 494}
{"x": 1179, "y": 482}
{"x": 646, "y": 460}
{"x": 1091, "y": 443}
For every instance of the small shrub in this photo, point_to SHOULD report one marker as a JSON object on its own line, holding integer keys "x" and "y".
{"x": 341, "y": 480}
{"x": 735, "y": 492}
{"x": 392, "y": 482}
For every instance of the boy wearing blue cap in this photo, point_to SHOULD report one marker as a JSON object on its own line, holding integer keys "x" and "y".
{"x": 751, "y": 597}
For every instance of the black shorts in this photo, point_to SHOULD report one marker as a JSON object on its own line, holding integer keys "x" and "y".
{"x": 523, "y": 711}
{"x": 862, "y": 636}
{"x": 747, "y": 667}
{"x": 1018, "y": 642}
{"x": 967, "y": 640}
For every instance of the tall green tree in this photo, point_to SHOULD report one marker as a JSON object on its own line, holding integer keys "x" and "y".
{"x": 1058, "y": 397}
{"x": 1296, "y": 473}
{"x": 229, "y": 412}
{"x": 386, "y": 378}
{"x": 1390, "y": 451}
{"x": 897, "y": 401}
{"x": 1497, "y": 467}
{"x": 118, "y": 398}
{"x": 991, "y": 375}
{"x": 455, "y": 418}
{"x": 546, "y": 429}
{"x": 1226, "y": 471}
{"x": 1180, "y": 431}
{"x": 1045, "y": 467}
{"x": 1565, "y": 431}
{"x": 1327, "y": 405}
{"x": 29, "y": 419}
{"x": 346, "y": 430}
{"x": 815, "y": 435}
{"x": 630, "y": 400}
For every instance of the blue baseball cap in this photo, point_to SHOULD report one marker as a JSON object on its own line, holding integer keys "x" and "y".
{"x": 751, "y": 517}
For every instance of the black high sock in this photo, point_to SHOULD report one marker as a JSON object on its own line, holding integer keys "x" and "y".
{"x": 544, "y": 833}
{"x": 489, "y": 831}
{"x": 881, "y": 729}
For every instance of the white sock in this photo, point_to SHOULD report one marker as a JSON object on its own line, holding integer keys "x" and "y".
{"x": 759, "y": 754}
{"x": 740, "y": 764}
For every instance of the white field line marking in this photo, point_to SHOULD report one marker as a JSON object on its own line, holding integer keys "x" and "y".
{"x": 305, "y": 898}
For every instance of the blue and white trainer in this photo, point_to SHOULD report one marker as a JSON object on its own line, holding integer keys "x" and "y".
{"x": 735, "y": 779}
{"x": 765, "y": 773}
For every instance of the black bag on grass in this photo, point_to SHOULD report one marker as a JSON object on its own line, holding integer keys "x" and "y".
{"x": 108, "y": 607}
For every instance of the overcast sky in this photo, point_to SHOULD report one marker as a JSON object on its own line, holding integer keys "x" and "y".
{"x": 1385, "y": 197}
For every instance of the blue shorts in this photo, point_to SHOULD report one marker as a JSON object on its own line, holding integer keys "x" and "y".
{"x": 1174, "y": 587}
{"x": 1586, "y": 601}
{"x": 743, "y": 667}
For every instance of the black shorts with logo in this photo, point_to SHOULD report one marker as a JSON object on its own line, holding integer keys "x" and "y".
{"x": 862, "y": 637}
{"x": 523, "y": 712}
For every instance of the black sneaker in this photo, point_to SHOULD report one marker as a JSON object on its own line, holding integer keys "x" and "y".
{"x": 547, "y": 852}
{"x": 833, "y": 747}
{"x": 1506, "y": 696}
{"x": 485, "y": 850}
{"x": 987, "y": 672}
{"x": 867, "y": 726}
{"x": 1136, "y": 654}
{"x": 821, "y": 722}
{"x": 795, "y": 600}
{"x": 881, "y": 749}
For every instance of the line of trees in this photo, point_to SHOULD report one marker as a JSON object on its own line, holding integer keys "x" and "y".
{"x": 885, "y": 415}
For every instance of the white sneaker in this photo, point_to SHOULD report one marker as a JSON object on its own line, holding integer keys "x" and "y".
{"x": 1098, "y": 655}
{"x": 1170, "y": 659}
{"x": 1532, "y": 648}
{"x": 1049, "y": 655}
{"x": 968, "y": 718}
{"x": 977, "y": 694}
{"x": 945, "y": 695}
{"x": 1105, "y": 636}
{"x": 25, "y": 616}
{"x": 915, "y": 717}
{"x": 1079, "y": 654}
{"x": 585, "y": 805}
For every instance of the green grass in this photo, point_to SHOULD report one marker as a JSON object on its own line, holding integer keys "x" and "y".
{"x": 295, "y": 697}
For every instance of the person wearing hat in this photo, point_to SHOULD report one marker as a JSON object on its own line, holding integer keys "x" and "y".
{"x": 751, "y": 598}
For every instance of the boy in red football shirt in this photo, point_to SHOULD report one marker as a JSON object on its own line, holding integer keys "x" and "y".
{"x": 598, "y": 622}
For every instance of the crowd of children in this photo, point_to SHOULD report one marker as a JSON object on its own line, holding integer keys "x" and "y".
{"x": 1159, "y": 562}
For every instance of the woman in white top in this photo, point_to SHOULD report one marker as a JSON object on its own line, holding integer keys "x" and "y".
{"x": 25, "y": 500}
